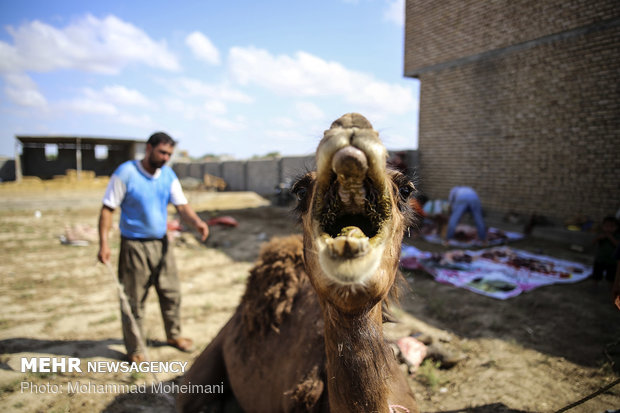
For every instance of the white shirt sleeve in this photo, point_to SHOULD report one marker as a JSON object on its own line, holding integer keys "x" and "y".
{"x": 114, "y": 193}
{"x": 177, "y": 197}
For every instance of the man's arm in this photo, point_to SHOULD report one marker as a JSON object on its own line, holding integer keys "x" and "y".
{"x": 105, "y": 223}
{"x": 190, "y": 217}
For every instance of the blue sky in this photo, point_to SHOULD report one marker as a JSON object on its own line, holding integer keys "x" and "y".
{"x": 232, "y": 77}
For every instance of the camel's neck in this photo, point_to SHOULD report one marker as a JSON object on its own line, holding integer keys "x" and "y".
{"x": 357, "y": 366}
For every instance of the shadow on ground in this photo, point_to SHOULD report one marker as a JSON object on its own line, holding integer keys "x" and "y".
{"x": 254, "y": 225}
{"x": 71, "y": 348}
{"x": 487, "y": 408}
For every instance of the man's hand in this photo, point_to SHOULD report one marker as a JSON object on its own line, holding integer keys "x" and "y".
{"x": 203, "y": 229}
{"x": 190, "y": 217}
{"x": 104, "y": 254}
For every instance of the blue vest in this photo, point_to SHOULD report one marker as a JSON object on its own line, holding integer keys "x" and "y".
{"x": 144, "y": 210}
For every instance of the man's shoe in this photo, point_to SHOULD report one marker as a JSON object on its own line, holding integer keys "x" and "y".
{"x": 136, "y": 358}
{"x": 181, "y": 343}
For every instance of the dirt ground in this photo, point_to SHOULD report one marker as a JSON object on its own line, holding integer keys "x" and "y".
{"x": 538, "y": 352}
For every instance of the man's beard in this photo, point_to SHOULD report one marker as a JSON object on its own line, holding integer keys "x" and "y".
{"x": 156, "y": 164}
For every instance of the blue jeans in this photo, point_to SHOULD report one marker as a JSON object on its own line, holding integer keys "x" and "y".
{"x": 461, "y": 205}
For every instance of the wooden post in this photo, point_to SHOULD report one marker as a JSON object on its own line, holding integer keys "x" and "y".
{"x": 78, "y": 157}
{"x": 18, "y": 162}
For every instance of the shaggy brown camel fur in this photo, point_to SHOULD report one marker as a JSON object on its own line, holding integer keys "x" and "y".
{"x": 307, "y": 335}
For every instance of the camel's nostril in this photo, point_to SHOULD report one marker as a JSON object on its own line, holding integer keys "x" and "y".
{"x": 350, "y": 162}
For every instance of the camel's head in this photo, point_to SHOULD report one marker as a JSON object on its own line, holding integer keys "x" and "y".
{"x": 354, "y": 210}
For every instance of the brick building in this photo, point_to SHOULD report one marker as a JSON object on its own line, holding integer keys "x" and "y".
{"x": 519, "y": 99}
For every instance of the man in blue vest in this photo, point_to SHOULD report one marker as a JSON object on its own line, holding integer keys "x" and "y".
{"x": 143, "y": 189}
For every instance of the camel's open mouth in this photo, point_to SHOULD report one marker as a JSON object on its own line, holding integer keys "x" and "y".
{"x": 351, "y": 236}
{"x": 349, "y": 228}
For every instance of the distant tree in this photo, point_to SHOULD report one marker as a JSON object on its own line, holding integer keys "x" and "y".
{"x": 269, "y": 155}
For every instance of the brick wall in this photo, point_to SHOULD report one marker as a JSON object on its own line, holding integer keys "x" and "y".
{"x": 440, "y": 31}
{"x": 520, "y": 101}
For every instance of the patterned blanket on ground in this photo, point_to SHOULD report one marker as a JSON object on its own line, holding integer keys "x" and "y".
{"x": 465, "y": 236}
{"x": 499, "y": 272}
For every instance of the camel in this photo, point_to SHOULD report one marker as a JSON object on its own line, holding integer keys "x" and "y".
{"x": 307, "y": 335}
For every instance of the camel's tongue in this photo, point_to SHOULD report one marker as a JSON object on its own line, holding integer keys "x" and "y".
{"x": 350, "y": 242}
{"x": 350, "y": 166}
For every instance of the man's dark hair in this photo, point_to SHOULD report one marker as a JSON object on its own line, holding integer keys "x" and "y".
{"x": 160, "y": 137}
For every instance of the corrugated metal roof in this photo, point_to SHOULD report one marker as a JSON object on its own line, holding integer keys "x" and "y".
{"x": 68, "y": 140}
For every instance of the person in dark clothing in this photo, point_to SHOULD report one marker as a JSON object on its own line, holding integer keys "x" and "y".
{"x": 606, "y": 243}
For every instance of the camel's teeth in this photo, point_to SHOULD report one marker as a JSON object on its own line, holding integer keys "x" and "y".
{"x": 348, "y": 246}
{"x": 351, "y": 232}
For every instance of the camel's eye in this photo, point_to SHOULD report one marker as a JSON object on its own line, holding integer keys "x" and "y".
{"x": 300, "y": 193}
{"x": 406, "y": 190}
{"x": 301, "y": 189}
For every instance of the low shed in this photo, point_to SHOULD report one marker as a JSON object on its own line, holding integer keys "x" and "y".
{"x": 47, "y": 156}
